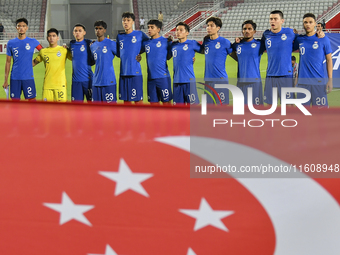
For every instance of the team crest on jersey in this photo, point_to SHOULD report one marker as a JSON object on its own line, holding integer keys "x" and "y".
{"x": 159, "y": 44}
{"x": 218, "y": 45}
{"x": 28, "y": 47}
{"x": 59, "y": 54}
{"x": 134, "y": 39}
{"x": 284, "y": 37}
{"x": 253, "y": 45}
{"x": 315, "y": 45}
{"x": 82, "y": 48}
{"x": 185, "y": 47}
{"x": 104, "y": 50}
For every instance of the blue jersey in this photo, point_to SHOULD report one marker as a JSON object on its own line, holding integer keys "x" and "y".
{"x": 104, "y": 53}
{"x": 249, "y": 57}
{"x": 279, "y": 48}
{"x": 22, "y": 53}
{"x": 129, "y": 46}
{"x": 156, "y": 57}
{"x": 216, "y": 52}
{"x": 183, "y": 54}
{"x": 312, "y": 54}
{"x": 81, "y": 60}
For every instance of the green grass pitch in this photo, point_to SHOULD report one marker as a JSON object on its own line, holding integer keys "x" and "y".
{"x": 231, "y": 67}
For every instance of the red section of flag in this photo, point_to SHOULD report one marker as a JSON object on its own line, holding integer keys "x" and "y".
{"x": 52, "y": 149}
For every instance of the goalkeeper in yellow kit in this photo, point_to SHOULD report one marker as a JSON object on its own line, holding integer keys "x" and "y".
{"x": 54, "y": 57}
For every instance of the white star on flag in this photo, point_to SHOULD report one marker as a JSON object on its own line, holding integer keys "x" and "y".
{"x": 108, "y": 251}
{"x": 206, "y": 216}
{"x": 126, "y": 179}
{"x": 191, "y": 252}
{"x": 70, "y": 211}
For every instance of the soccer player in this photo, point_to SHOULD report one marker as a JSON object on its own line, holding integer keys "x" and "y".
{"x": 54, "y": 57}
{"x": 156, "y": 49}
{"x": 104, "y": 81}
{"x": 21, "y": 49}
{"x": 249, "y": 52}
{"x": 129, "y": 45}
{"x": 278, "y": 42}
{"x": 313, "y": 52}
{"x": 216, "y": 50}
{"x": 81, "y": 65}
{"x": 320, "y": 27}
{"x": 183, "y": 52}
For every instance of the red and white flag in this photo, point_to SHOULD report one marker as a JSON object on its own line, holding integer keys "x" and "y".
{"x": 106, "y": 180}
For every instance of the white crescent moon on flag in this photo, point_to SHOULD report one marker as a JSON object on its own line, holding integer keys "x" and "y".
{"x": 305, "y": 216}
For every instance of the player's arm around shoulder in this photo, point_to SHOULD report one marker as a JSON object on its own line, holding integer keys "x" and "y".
{"x": 170, "y": 45}
{"x": 233, "y": 54}
{"x": 69, "y": 54}
{"x": 114, "y": 46}
{"x": 198, "y": 47}
{"x": 39, "y": 58}
{"x": 118, "y": 45}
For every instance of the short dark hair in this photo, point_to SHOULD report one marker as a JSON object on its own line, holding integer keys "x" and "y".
{"x": 216, "y": 20}
{"x": 100, "y": 23}
{"x": 249, "y": 22}
{"x": 80, "y": 25}
{"x": 277, "y": 12}
{"x": 21, "y": 20}
{"x": 187, "y": 28}
{"x": 293, "y": 58}
{"x": 309, "y": 15}
{"x": 322, "y": 25}
{"x": 155, "y": 22}
{"x": 128, "y": 15}
{"x": 52, "y": 30}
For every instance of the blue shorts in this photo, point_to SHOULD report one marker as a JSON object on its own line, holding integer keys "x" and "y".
{"x": 159, "y": 90}
{"x": 104, "y": 93}
{"x": 318, "y": 94}
{"x": 26, "y": 86}
{"x": 81, "y": 89}
{"x": 279, "y": 82}
{"x": 223, "y": 93}
{"x": 257, "y": 91}
{"x": 131, "y": 88}
{"x": 185, "y": 93}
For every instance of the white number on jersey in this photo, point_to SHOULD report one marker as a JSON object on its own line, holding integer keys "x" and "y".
{"x": 165, "y": 93}
{"x": 109, "y": 97}
{"x": 174, "y": 53}
{"x": 121, "y": 45}
{"x": 206, "y": 50}
{"x": 302, "y": 50}
{"x": 29, "y": 91}
{"x": 222, "y": 96}
{"x": 192, "y": 98}
{"x": 239, "y": 50}
{"x": 269, "y": 43}
{"x": 134, "y": 92}
{"x": 321, "y": 101}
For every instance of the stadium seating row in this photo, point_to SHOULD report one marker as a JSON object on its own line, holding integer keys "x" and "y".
{"x": 10, "y": 10}
{"x": 233, "y": 17}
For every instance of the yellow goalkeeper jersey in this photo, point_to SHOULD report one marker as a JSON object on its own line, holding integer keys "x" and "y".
{"x": 54, "y": 60}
